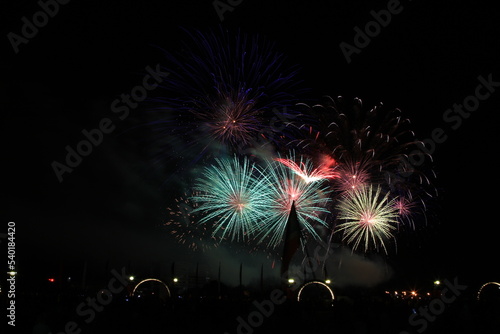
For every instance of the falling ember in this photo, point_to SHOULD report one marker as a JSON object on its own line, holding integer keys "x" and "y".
{"x": 182, "y": 224}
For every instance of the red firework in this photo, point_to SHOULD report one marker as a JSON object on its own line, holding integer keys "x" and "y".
{"x": 305, "y": 169}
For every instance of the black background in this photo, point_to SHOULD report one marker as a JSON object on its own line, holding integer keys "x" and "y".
{"x": 428, "y": 58}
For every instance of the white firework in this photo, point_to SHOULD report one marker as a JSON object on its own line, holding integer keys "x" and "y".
{"x": 368, "y": 217}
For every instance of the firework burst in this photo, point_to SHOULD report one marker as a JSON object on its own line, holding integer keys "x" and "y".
{"x": 226, "y": 90}
{"x": 286, "y": 187}
{"x": 231, "y": 119}
{"x": 351, "y": 176}
{"x": 182, "y": 223}
{"x": 374, "y": 141}
{"x": 370, "y": 147}
{"x": 368, "y": 217}
{"x": 233, "y": 197}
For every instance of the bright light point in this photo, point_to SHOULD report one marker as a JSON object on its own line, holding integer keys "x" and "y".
{"x": 131, "y": 278}
{"x": 437, "y": 282}
{"x": 51, "y": 280}
{"x": 12, "y": 273}
{"x": 291, "y": 280}
{"x": 367, "y": 219}
{"x": 176, "y": 280}
{"x": 328, "y": 281}
{"x": 240, "y": 207}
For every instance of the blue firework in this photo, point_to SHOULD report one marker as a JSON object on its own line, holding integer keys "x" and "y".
{"x": 225, "y": 90}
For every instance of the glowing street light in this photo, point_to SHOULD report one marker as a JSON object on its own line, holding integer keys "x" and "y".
{"x": 131, "y": 278}
{"x": 328, "y": 281}
{"x": 291, "y": 281}
{"x": 176, "y": 280}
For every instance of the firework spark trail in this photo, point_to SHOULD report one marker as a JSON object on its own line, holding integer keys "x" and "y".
{"x": 369, "y": 217}
{"x": 230, "y": 118}
{"x": 234, "y": 196}
{"x": 183, "y": 225}
{"x": 225, "y": 89}
{"x": 311, "y": 201}
{"x": 357, "y": 163}
{"x": 376, "y": 140}
{"x": 370, "y": 147}
{"x": 306, "y": 170}
{"x": 351, "y": 175}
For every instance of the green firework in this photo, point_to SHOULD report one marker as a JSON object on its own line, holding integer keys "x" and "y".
{"x": 233, "y": 195}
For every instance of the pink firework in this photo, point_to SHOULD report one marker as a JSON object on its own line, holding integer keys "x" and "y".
{"x": 351, "y": 175}
{"x": 231, "y": 119}
{"x": 306, "y": 170}
{"x": 311, "y": 201}
{"x": 405, "y": 207}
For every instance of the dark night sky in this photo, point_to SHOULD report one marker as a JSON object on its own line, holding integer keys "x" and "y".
{"x": 64, "y": 79}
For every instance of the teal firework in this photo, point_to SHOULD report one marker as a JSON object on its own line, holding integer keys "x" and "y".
{"x": 234, "y": 196}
